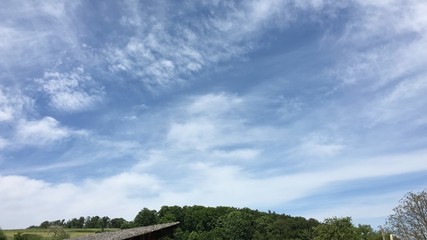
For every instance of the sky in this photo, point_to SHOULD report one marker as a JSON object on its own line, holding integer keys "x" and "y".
{"x": 313, "y": 108}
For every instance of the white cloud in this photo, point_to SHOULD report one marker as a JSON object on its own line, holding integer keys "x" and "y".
{"x": 40, "y": 132}
{"x": 71, "y": 91}
{"x": 198, "y": 134}
{"x": 217, "y": 120}
{"x": 201, "y": 183}
{"x": 36, "y": 201}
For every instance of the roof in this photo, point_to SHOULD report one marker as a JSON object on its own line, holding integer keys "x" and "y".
{"x": 127, "y": 233}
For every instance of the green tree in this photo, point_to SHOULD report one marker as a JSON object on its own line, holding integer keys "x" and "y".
{"x": 409, "y": 220}
{"x": 170, "y": 214}
{"x": 194, "y": 236}
{"x": 236, "y": 225}
{"x": 44, "y": 224}
{"x": 263, "y": 228}
{"x": 117, "y": 222}
{"x": 93, "y": 222}
{"x": 81, "y": 222}
{"x": 145, "y": 217}
{"x": 104, "y": 222}
{"x": 366, "y": 232}
{"x": 336, "y": 229}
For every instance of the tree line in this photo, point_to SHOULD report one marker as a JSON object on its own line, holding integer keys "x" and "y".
{"x": 408, "y": 221}
{"x": 200, "y": 222}
{"x": 85, "y": 222}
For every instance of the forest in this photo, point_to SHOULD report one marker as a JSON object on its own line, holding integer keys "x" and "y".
{"x": 200, "y": 222}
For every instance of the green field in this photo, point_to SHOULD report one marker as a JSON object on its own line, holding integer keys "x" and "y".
{"x": 74, "y": 232}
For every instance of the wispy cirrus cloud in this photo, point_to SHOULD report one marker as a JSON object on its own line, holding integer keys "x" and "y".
{"x": 71, "y": 91}
{"x": 377, "y": 59}
{"x": 36, "y": 33}
{"x": 165, "y": 51}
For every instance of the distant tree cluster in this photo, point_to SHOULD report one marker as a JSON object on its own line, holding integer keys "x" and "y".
{"x": 199, "y": 222}
{"x": 228, "y": 223}
{"x": 88, "y": 222}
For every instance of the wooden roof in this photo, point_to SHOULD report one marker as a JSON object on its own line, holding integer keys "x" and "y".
{"x": 127, "y": 233}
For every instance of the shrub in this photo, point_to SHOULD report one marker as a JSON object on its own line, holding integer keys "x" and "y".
{"x": 2, "y": 236}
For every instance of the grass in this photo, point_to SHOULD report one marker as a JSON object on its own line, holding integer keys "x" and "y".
{"x": 74, "y": 232}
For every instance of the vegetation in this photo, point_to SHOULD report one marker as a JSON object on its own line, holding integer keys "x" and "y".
{"x": 2, "y": 235}
{"x": 409, "y": 220}
{"x": 343, "y": 229}
{"x": 58, "y": 233}
{"x": 228, "y": 223}
{"x": 47, "y": 234}
{"x": 27, "y": 236}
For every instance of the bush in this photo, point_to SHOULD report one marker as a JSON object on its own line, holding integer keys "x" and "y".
{"x": 59, "y": 233}
{"x": 19, "y": 236}
{"x": 2, "y": 236}
{"x": 27, "y": 236}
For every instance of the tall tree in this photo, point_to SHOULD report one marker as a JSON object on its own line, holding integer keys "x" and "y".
{"x": 236, "y": 225}
{"x": 145, "y": 217}
{"x": 409, "y": 220}
{"x": 104, "y": 222}
{"x": 336, "y": 229}
{"x": 117, "y": 222}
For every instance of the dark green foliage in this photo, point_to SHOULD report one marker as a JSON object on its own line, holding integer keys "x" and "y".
{"x": 93, "y": 222}
{"x": 117, "y": 222}
{"x": 104, "y": 222}
{"x": 228, "y": 223}
{"x": 19, "y": 236}
{"x": 2, "y": 236}
{"x": 343, "y": 229}
{"x": 145, "y": 217}
{"x": 127, "y": 225}
{"x": 366, "y": 232}
{"x": 336, "y": 229}
{"x": 236, "y": 225}
{"x": 26, "y": 236}
{"x": 170, "y": 214}
{"x": 207, "y": 223}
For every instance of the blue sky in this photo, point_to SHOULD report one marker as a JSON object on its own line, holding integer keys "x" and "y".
{"x": 313, "y": 108}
